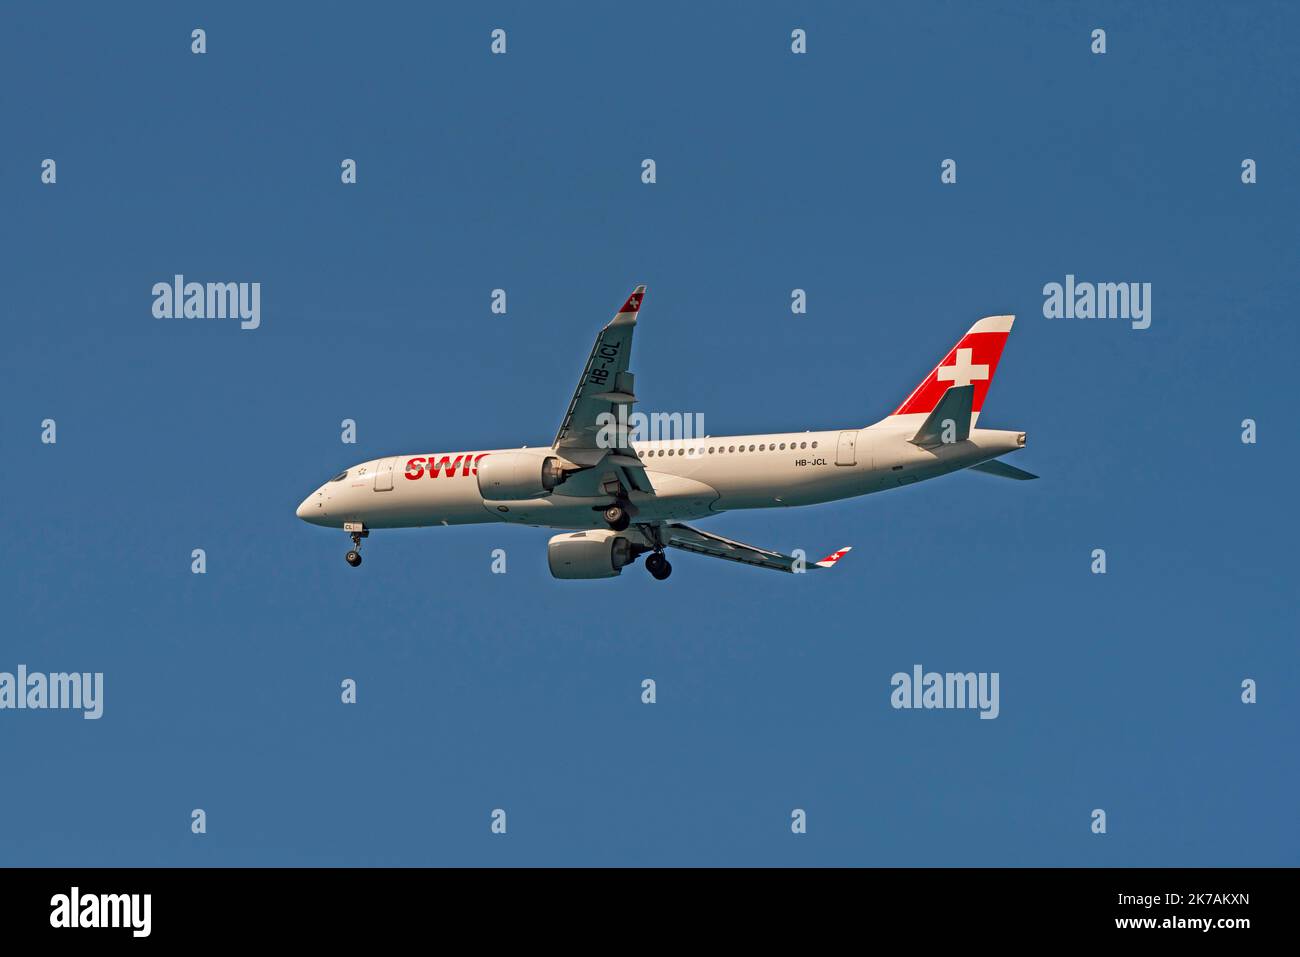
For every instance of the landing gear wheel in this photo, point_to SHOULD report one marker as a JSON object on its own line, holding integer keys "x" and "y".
{"x": 354, "y": 558}
{"x": 658, "y": 566}
{"x": 617, "y": 518}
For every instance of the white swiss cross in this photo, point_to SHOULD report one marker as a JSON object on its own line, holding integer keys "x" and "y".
{"x": 962, "y": 372}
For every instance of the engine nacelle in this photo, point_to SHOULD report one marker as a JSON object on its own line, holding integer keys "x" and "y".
{"x": 596, "y": 554}
{"x": 510, "y": 476}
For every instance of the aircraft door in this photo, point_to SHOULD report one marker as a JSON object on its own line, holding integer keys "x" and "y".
{"x": 846, "y": 451}
{"x": 384, "y": 475}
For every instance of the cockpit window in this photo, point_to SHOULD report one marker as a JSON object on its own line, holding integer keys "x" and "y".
{"x": 340, "y": 477}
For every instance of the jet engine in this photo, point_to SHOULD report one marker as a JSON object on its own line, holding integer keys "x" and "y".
{"x": 595, "y": 554}
{"x": 510, "y": 476}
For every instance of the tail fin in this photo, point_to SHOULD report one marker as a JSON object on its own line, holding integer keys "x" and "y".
{"x": 972, "y": 361}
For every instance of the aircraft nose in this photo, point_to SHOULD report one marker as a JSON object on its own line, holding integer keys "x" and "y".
{"x": 311, "y": 508}
{"x": 315, "y": 508}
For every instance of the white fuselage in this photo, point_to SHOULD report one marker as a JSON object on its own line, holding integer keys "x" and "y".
{"x": 692, "y": 478}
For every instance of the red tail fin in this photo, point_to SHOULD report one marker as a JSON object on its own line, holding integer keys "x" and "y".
{"x": 972, "y": 361}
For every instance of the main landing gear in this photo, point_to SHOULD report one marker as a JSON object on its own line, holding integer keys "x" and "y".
{"x": 657, "y": 565}
{"x": 617, "y": 518}
{"x": 358, "y": 532}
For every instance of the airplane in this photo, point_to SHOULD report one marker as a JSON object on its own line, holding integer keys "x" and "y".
{"x": 621, "y": 498}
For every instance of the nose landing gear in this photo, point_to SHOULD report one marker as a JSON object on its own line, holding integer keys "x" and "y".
{"x": 358, "y": 532}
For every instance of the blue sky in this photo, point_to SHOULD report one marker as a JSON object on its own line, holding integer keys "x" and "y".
{"x": 775, "y": 171}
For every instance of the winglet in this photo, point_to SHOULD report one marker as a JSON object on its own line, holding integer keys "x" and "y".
{"x": 633, "y": 303}
{"x": 830, "y": 560}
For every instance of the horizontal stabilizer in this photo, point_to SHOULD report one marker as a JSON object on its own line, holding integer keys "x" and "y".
{"x": 954, "y": 408}
{"x": 1003, "y": 470}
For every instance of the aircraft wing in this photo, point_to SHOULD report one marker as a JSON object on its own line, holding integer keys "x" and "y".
{"x": 605, "y": 387}
{"x": 715, "y": 546}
